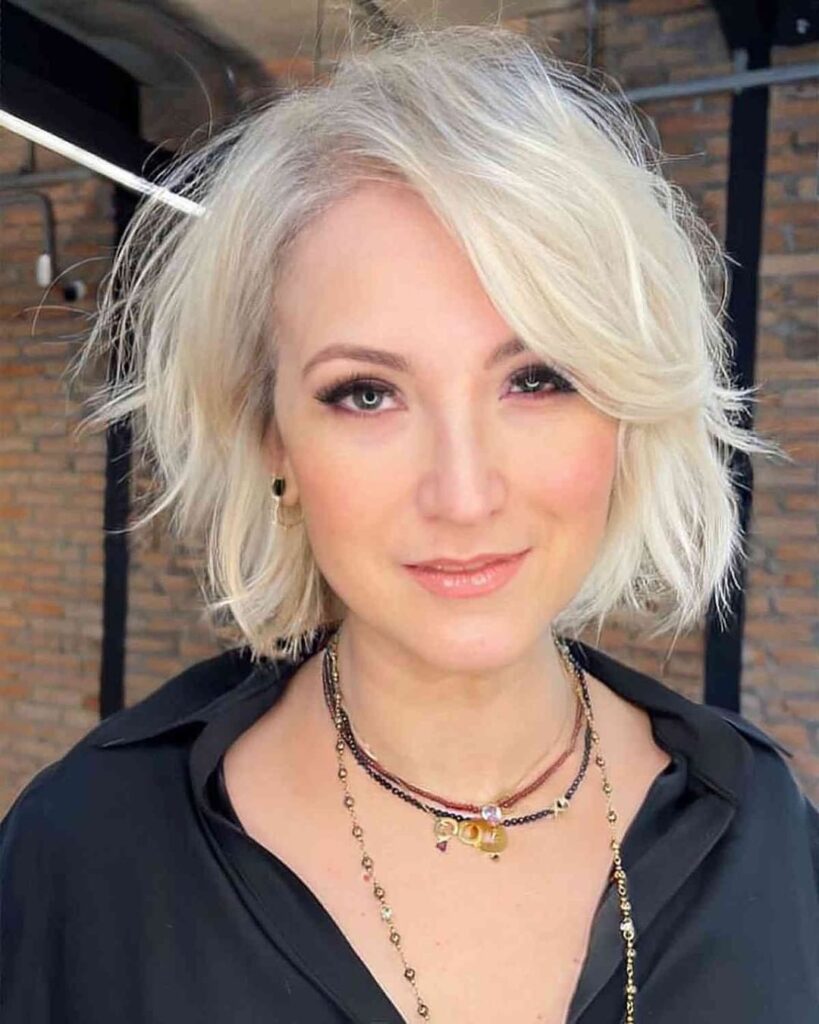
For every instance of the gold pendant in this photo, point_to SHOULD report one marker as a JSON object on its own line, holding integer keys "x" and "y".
{"x": 482, "y": 835}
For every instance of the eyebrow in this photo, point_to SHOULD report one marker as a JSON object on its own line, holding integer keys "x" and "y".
{"x": 395, "y": 361}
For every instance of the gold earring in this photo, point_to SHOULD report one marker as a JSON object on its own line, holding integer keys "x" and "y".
{"x": 278, "y": 491}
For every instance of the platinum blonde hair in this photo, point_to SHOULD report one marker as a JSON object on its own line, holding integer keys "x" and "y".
{"x": 599, "y": 264}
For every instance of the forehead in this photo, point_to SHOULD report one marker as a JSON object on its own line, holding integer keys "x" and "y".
{"x": 380, "y": 266}
{"x": 374, "y": 219}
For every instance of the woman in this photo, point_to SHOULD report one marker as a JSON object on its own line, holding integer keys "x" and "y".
{"x": 446, "y": 310}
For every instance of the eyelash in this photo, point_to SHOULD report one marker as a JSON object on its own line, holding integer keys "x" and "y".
{"x": 333, "y": 393}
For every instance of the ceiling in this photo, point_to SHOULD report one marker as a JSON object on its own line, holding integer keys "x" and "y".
{"x": 199, "y": 61}
{"x": 164, "y": 40}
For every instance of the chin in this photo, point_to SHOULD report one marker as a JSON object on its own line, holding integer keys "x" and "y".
{"x": 463, "y": 643}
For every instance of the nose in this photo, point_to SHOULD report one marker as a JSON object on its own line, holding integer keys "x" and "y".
{"x": 462, "y": 481}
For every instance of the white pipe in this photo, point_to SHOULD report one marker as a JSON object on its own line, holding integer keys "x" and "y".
{"x": 97, "y": 164}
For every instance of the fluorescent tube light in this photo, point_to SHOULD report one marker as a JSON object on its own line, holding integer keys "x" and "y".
{"x": 97, "y": 164}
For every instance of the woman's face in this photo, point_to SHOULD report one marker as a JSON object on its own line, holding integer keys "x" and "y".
{"x": 444, "y": 452}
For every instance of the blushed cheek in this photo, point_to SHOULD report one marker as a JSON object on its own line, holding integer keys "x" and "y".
{"x": 579, "y": 475}
{"x": 345, "y": 500}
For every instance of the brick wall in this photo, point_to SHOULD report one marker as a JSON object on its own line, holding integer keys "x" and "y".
{"x": 51, "y": 499}
{"x": 647, "y": 42}
{"x": 50, "y": 560}
{"x": 51, "y": 485}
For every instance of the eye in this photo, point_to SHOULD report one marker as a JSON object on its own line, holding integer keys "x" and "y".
{"x": 532, "y": 378}
{"x": 370, "y": 392}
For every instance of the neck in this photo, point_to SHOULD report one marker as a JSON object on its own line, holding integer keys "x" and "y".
{"x": 466, "y": 735}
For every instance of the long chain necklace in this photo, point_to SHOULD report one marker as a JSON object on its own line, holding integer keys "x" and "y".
{"x": 618, "y": 875}
{"x": 485, "y": 829}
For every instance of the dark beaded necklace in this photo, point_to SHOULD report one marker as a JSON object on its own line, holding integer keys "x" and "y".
{"x": 505, "y": 802}
{"x": 485, "y": 833}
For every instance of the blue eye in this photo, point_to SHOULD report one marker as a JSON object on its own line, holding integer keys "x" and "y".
{"x": 372, "y": 391}
{"x": 532, "y": 379}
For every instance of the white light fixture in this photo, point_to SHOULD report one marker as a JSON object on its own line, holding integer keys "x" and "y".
{"x": 97, "y": 164}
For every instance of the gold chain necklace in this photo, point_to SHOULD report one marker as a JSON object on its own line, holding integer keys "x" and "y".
{"x": 618, "y": 875}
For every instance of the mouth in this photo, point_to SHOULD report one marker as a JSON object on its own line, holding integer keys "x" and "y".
{"x": 464, "y": 565}
{"x": 461, "y": 582}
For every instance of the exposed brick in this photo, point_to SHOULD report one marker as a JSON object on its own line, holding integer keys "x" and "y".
{"x": 12, "y": 690}
{"x": 34, "y": 711}
{"x": 51, "y": 484}
{"x": 785, "y": 526}
{"x": 802, "y": 706}
{"x": 807, "y": 656}
{"x": 781, "y": 629}
{"x": 40, "y": 607}
{"x": 793, "y": 735}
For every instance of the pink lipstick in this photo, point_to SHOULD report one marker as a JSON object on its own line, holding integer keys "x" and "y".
{"x": 453, "y": 582}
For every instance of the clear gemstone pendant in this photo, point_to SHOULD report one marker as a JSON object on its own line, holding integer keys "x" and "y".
{"x": 492, "y": 813}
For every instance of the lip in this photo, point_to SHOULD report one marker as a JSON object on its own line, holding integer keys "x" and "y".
{"x": 468, "y": 583}
{"x": 464, "y": 565}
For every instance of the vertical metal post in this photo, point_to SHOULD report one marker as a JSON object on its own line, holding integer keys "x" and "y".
{"x": 743, "y": 240}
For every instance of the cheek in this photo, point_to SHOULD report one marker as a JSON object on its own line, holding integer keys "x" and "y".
{"x": 350, "y": 524}
{"x": 580, "y": 471}
{"x": 345, "y": 499}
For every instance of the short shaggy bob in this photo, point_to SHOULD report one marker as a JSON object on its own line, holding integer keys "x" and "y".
{"x": 550, "y": 182}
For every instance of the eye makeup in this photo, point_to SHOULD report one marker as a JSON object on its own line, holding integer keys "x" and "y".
{"x": 533, "y": 376}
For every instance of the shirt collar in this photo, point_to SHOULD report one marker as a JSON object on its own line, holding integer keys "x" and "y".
{"x": 195, "y": 695}
{"x": 714, "y": 741}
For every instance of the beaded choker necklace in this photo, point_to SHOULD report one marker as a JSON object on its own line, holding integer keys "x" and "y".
{"x": 485, "y": 828}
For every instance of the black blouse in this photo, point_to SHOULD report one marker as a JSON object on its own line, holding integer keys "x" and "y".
{"x": 267, "y": 874}
{"x": 129, "y": 891}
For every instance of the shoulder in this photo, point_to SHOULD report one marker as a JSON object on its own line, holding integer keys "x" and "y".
{"x": 750, "y": 730}
{"x": 177, "y": 701}
{"x": 721, "y": 746}
{"x": 77, "y": 800}
{"x": 83, "y": 845}
{"x": 770, "y": 773}
{"x": 772, "y": 776}
{"x": 726, "y": 753}
{"x": 771, "y": 759}
{"x": 777, "y": 815}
